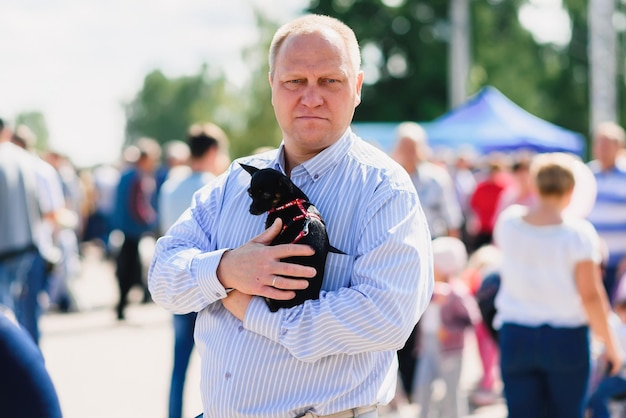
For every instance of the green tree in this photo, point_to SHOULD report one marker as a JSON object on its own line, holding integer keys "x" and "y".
{"x": 165, "y": 107}
{"x": 36, "y": 121}
{"x": 405, "y": 42}
{"x": 260, "y": 126}
{"x": 404, "y": 48}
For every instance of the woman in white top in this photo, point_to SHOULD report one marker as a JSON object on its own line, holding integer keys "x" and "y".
{"x": 550, "y": 294}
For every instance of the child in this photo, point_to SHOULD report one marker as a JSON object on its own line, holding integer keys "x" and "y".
{"x": 441, "y": 331}
{"x": 611, "y": 386}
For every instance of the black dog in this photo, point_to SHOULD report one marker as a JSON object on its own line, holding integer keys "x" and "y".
{"x": 273, "y": 192}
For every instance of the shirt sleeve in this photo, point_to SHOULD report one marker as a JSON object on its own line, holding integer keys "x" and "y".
{"x": 182, "y": 277}
{"x": 587, "y": 244}
{"x": 390, "y": 285}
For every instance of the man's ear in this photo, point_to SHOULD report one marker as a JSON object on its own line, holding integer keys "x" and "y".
{"x": 251, "y": 170}
{"x": 359, "y": 88}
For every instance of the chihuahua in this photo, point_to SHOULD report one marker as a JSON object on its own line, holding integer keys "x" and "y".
{"x": 273, "y": 192}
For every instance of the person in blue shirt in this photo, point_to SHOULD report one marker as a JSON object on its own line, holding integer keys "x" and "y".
{"x": 26, "y": 389}
{"x": 206, "y": 142}
{"x": 135, "y": 216}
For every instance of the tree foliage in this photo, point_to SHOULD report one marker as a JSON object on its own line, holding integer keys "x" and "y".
{"x": 165, "y": 107}
{"x": 36, "y": 121}
{"x": 404, "y": 53}
{"x": 547, "y": 80}
{"x": 261, "y": 128}
{"x": 405, "y": 57}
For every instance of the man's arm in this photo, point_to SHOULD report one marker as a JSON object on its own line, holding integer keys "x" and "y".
{"x": 389, "y": 285}
{"x": 186, "y": 276}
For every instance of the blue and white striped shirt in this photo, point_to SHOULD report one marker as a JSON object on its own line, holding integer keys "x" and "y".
{"x": 327, "y": 355}
{"x": 608, "y": 215}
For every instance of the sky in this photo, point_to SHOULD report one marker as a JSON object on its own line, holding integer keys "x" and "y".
{"x": 79, "y": 61}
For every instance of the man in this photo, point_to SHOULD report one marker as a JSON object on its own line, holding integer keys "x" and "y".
{"x": 136, "y": 217}
{"x": 608, "y": 215}
{"x": 44, "y": 224}
{"x": 437, "y": 195}
{"x": 433, "y": 183}
{"x": 204, "y": 143}
{"x": 20, "y": 224}
{"x": 334, "y": 356}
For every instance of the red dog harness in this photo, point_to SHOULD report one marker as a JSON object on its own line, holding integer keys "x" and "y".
{"x": 304, "y": 214}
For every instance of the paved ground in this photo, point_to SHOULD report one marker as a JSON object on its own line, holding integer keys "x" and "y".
{"x": 103, "y": 368}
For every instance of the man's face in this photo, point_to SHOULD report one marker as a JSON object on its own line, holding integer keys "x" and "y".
{"x": 605, "y": 150}
{"x": 314, "y": 92}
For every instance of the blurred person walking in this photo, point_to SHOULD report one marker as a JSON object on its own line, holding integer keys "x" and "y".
{"x": 51, "y": 204}
{"x": 99, "y": 225}
{"x": 609, "y": 211}
{"x": 205, "y": 142}
{"x": 69, "y": 221}
{"x": 135, "y": 216}
{"x": 484, "y": 202}
{"x": 549, "y": 296}
{"x": 441, "y": 207}
{"x": 441, "y": 332}
{"x": 20, "y": 227}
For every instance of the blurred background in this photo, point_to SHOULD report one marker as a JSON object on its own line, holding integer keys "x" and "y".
{"x": 91, "y": 77}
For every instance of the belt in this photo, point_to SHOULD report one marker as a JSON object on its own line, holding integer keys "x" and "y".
{"x": 349, "y": 413}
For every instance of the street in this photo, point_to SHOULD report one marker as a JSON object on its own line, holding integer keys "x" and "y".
{"x": 103, "y": 368}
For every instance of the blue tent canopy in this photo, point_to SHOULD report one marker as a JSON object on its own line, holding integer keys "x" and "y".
{"x": 488, "y": 121}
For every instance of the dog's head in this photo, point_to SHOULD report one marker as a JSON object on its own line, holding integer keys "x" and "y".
{"x": 268, "y": 189}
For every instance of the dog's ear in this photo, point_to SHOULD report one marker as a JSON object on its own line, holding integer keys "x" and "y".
{"x": 250, "y": 169}
{"x": 286, "y": 183}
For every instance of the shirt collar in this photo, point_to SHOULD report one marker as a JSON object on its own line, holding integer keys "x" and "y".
{"x": 317, "y": 166}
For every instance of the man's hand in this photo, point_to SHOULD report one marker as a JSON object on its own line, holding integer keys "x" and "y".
{"x": 237, "y": 303}
{"x": 255, "y": 267}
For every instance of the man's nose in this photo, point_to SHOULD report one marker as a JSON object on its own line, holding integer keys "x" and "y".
{"x": 312, "y": 96}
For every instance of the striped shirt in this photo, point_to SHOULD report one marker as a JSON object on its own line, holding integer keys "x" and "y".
{"x": 326, "y": 355}
{"x": 608, "y": 215}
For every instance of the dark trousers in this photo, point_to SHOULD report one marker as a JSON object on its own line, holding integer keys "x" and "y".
{"x": 609, "y": 388}
{"x": 545, "y": 370}
{"x": 129, "y": 272}
{"x": 406, "y": 363}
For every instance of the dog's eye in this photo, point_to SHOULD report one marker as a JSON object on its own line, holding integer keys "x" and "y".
{"x": 267, "y": 195}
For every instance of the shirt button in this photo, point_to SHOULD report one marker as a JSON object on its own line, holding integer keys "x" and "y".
{"x": 218, "y": 294}
{"x": 240, "y": 328}
{"x": 228, "y": 375}
{"x": 283, "y": 332}
{"x": 316, "y": 176}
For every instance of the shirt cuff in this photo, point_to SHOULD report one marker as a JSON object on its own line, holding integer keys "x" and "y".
{"x": 260, "y": 320}
{"x": 204, "y": 268}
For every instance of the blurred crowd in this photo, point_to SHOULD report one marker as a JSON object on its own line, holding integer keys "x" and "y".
{"x": 50, "y": 208}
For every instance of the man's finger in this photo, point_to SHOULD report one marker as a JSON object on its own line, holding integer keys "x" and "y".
{"x": 270, "y": 233}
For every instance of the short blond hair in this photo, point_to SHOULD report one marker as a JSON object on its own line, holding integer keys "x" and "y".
{"x": 313, "y": 23}
{"x": 611, "y": 131}
{"x": 553, "y": 173}
{"x": 412, "y": 131}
